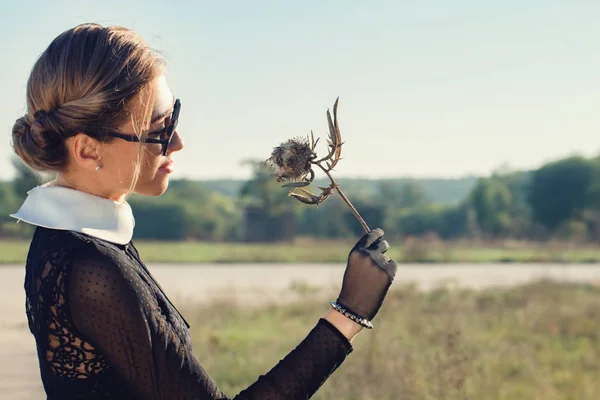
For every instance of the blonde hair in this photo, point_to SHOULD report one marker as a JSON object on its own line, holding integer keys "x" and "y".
{"x": 90, "y": 79}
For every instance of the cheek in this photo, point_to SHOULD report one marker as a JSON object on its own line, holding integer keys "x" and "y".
{"x": 121, "y": 159}
{"x": 151, "y": 156}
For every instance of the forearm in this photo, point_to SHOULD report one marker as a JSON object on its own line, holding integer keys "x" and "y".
{"x": 299, "y": 374}
{"x": 346, "y": 326}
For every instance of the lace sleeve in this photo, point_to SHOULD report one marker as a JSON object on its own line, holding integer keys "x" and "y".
{"x": 111, "y": 306}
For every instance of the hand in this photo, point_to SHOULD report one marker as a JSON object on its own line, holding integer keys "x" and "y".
{"x": 368, "y": 276}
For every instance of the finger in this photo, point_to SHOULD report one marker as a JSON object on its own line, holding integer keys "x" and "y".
{"x": 391, "y": 268}
{"x": 368, "y": 239}
{"x": 381, "y": 246}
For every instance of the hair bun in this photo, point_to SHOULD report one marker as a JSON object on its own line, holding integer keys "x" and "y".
{"x": 21, "y": 127}
{"x": 38, "y": 147}
{"x": 44, "y": 121}
{"x": 40, "y": 115}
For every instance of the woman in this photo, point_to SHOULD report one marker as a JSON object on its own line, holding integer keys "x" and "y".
{"x": 101, "y": 116}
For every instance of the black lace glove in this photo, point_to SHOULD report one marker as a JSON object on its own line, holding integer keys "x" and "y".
{"x": 368, "y": 276}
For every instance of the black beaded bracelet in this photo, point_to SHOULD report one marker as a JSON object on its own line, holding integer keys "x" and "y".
{"x": 361, "y": 321}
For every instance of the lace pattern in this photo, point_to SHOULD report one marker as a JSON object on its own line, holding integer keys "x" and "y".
{"x": 66, "y": 354}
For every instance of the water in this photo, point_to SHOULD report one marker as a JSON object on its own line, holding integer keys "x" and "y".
{"x": 250, "y": 284}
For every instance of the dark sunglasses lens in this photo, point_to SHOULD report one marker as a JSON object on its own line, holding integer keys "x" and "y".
{"x": 173, "y": 127}
{"x": 167, "y": 142}
{"x": 175, "y": 116}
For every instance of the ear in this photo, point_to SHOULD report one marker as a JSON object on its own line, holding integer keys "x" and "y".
{"x": 85, "y": 151}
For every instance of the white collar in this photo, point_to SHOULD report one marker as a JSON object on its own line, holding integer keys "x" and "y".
{"x": 57, "y": 207}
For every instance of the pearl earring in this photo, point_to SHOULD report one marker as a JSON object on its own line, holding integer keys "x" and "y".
{"x": 98, "y": 168}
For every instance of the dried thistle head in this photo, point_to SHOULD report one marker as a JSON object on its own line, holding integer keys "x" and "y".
{"x": 291, "y": 160}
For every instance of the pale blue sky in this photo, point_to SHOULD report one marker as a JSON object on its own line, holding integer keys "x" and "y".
{"x": 427, "y": 87}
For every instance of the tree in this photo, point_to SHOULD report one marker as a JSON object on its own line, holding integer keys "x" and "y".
{"x": 268, "y": 211}
{"x": 26, "y": 178}
{"x": 561, "y": 189}
{"x": 411, "y": 195}
{"x": 9, "y": 204}
{"x": 8, "y": 200}
{"x": 408, "y": 195}
{"x": 263, "y": 190}
{"x": 492, "y": 200}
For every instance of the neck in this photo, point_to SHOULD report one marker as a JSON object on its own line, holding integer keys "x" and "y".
{"x": 90, "y": 186}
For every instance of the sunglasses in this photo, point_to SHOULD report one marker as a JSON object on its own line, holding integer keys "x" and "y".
{"x": 163, "y": 136}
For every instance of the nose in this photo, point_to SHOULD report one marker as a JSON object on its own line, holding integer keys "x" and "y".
{"x": 176, "y": 143}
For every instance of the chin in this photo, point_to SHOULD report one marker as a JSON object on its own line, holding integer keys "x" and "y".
{"x": 152, "y": 188}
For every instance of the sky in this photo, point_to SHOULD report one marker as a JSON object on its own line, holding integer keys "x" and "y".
{"x": 427, "y": 88}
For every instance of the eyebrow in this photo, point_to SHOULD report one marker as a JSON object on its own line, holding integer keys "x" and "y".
{"x": 162, "y": 115}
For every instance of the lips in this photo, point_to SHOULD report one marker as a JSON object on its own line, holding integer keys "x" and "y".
{"x": 167, "y": 167}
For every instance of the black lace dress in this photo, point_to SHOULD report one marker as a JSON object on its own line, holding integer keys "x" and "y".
{"x": 105, "y": 329}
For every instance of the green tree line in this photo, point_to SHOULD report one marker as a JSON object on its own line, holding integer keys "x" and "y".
{"x": 561, "y": 199}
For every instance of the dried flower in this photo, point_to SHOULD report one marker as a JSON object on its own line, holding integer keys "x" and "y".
{"x": 291, "y": 160}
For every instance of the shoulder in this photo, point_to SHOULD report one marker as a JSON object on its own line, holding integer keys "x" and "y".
{"x": 103, "y": 278}
{"x": 97, "y": 256}
{"x": 66, "y": 238}
{"x": 78, "y": 254}
{"x": 52, "y": 240}
{"x": 100, "y": 270}
{"x": 54, "y": 246}
{"x": 64, "y": 249}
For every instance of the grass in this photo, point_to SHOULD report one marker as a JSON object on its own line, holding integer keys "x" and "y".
{"x": 13, "y": 251}
{"x": 312, "y": 251}
{"x": 539, "y": 341}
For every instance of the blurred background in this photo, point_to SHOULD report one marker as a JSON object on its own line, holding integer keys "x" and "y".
{"x": 470, "y": 133}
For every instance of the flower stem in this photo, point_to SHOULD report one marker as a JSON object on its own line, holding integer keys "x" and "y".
{"x": 343, "y": 196}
